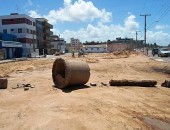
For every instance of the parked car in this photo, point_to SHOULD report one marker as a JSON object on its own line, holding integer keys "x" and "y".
{"x": 163, "y": 52}
{"x": 154, "y": 51}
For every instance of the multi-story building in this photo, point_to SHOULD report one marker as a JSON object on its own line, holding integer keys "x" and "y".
{"x": 43, "y": 35}
{"x": 23, "y": 27}
{"x": 58, "y": 44}
{"x": 76, "y": 45}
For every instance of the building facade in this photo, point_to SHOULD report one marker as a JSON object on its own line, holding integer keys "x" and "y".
{"x": 23, "y": 27}
{"x": 10, "y": 46}
{"x": 44, "y": 34}
{"x": 58, "y": 45}
{"x": 117, "y": 47}
{"x": 95, "y": 48}
{"x": 76, "y": 45}
{"x": 120, "y": 44}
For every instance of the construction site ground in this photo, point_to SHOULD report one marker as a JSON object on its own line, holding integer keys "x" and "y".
{"x": 85, "y": 107}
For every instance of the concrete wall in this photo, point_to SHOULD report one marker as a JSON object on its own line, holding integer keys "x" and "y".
{"x": 117, "y": 47}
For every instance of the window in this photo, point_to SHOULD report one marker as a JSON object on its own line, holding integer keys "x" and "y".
{"x": 19, "y": 30}
{"x": 33, "y": 23}
{"x": 12, "y": 30}
{"x": 5, "y": 31}
{"x": 97, "y": 48}
{"x": 91, "y": 48}
{"x": 27, "y": 30}
{"x": 4, "y": 21}
{"x": 19, "y": 20}
{"x": 31, "y": 31}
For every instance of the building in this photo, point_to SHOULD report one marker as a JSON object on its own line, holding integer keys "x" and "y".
{"x": 95, "y": 48}
{"x": 120, "y": 44}
{"x": 43, "y": 34}
{"x": 117, "y": 47}
{"x": 58, "y": 44}
{"x": 10, "y": 46}
{"x": 76, "y": 45}
{"x": 23, "y": 27}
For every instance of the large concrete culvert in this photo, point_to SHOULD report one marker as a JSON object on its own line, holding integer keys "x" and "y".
{"x": 70, "y": 72}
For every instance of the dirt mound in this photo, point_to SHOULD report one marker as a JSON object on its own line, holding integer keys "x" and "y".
{"x": 121, "y": 54}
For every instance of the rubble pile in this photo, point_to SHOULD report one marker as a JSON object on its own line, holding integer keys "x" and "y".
{"x": 25, "y": 86}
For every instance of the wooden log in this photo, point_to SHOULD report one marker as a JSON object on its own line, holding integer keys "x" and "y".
{"x": 143, "y": 83}
{"x": 3, "y": 83}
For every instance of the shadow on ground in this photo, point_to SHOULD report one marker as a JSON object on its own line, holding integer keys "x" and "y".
{"x": 165, "y": 69}
{"x": 73, "y": 88}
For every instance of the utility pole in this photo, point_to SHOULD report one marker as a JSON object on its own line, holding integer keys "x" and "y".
{"x": 136, "y": 39}
{"x": 145, "y": 15}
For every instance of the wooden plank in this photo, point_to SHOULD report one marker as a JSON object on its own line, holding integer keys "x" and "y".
{"x": 143, "y": 83}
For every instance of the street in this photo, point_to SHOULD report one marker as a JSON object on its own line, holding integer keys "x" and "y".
{"x": 166, "y": 59}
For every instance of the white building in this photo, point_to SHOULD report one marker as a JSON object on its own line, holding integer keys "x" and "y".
{"x": 23, "y": 27}
{"x": 76, "y": 45}
{"x": 95, "y": 48}
{"x": 58, "y": 44}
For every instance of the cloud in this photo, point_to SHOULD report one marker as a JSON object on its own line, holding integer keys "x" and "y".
{"x": 162, "y": 27}
{"x": 78, "y": 11}
{"x": 34, "y": 14}
{"x": 130, "y": 23}
{"x": 103, "y": 32}
{"x": 159, "y": 37}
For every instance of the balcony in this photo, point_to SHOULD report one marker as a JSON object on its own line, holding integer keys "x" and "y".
{"x": 48, "y": 38}
{"x": 47, "y": 25}
{"x": 48, "y": 32}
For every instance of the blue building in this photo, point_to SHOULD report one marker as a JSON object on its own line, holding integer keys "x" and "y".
{"x": 11, "y": 47}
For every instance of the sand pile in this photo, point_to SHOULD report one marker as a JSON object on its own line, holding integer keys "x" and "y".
{"x": 120, "y": 54}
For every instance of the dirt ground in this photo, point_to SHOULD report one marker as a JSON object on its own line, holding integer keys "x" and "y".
{"x": 87, "y": 107}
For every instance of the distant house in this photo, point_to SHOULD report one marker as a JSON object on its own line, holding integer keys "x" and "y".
{"x": 76, "y": 45}
{"x": 95, "y": 48}
{"x": 58, "y": 44}
{"x": 117, "y": 47}
{"x": 120, "y": 44}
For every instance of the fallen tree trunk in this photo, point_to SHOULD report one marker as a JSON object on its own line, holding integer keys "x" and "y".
{"x": 143, "y": 83}
{"x": 3, "y": 83}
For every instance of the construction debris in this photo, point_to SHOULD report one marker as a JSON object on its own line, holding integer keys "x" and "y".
{"x": 166, "y": 84}
{"x": 93, "y": 84}
{"x": 143, "y": 83}
{"x": 104, "y": 84}
{"x": 3, "y": 83}
{"x": 25, "y": 86}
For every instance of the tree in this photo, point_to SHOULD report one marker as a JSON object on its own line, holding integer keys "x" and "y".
{"x": 155, "y": 45}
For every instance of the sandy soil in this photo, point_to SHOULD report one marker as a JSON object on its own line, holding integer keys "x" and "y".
{"x": 86, "y": 108}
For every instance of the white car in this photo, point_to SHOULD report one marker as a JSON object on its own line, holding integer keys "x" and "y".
{"x": 164, "y": 52}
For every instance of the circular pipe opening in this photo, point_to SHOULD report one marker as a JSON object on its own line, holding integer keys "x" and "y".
{"x": 59, "y": 73}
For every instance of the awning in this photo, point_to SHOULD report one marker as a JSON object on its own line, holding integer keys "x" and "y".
{"x": 11, "y": 44}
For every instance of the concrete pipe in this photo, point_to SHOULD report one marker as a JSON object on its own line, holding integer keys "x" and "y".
{"x": 70, "y": 72}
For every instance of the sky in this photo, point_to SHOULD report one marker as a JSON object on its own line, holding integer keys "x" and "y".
{"x": 99, "y": 20}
